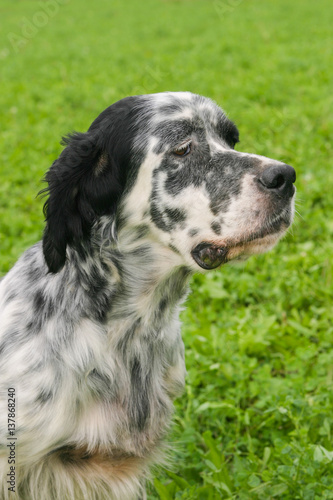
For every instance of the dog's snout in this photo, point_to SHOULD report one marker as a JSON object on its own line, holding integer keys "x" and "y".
{"x": 279, "y": 179}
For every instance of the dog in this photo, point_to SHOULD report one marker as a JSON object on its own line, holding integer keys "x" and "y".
{"x": 91, "y": 355}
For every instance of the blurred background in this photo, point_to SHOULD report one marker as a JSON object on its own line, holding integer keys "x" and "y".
{"x": 256, "y": 419}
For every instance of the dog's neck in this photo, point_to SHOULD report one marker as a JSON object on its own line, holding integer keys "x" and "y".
{"x": 142, "y": 280}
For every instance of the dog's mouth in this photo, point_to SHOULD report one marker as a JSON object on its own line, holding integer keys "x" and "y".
{"x": 210, "y": 255}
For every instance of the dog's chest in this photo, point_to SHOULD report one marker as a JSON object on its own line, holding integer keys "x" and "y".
{"x": 128, "y": 394}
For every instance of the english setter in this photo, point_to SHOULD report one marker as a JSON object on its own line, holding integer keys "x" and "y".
{"x": 90, "y": 341}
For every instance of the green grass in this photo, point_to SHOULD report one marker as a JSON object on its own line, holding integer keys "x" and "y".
{"x": 256, "y": 421}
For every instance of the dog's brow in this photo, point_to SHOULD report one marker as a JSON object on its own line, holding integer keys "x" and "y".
{"x": 170, "y": 130}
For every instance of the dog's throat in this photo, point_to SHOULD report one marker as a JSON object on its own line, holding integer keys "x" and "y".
{"x": 209, "y": 256}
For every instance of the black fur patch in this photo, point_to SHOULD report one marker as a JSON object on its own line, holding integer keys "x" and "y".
{"x": 228, "y": 131}
{"x": 123, "y": 344}
{"x": 193, "y": 232}
{"x": 44, "y": 396}
{"x": 43, "y": 306}
{"x": 216, "y": 227}
{"x": 139, "y": 401}
{"x": 174, "y": 132}
{"x": 166, "y": 218}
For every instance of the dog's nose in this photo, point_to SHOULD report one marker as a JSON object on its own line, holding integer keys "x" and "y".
{"x": 279, "y": 179}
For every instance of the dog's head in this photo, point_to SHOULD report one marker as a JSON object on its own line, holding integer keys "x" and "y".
{"x": 167, "y": 162}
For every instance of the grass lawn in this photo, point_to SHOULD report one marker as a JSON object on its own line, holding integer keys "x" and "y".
{"x": 256, "y": 421}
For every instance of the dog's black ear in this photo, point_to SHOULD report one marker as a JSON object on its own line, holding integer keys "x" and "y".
{"x": 83, "y": 183}
{"x": 89, "y": 177}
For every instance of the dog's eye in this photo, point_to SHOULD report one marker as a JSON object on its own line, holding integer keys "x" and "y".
{"x": 183, "y": 151}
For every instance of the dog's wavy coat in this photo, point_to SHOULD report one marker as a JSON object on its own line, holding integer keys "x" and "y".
{"x": 89, "y": 330}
